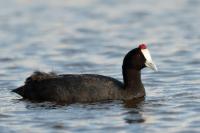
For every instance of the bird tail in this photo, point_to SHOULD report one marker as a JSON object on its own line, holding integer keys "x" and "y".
{"x": 19, "y": 90}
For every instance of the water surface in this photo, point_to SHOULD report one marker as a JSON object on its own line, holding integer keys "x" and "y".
{"x": 92, "y": 36}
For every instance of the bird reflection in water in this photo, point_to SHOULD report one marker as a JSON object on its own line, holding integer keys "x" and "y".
{"x": 133, "y": 114}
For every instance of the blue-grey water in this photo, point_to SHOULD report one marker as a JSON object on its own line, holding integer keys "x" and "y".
{"x": 92, "y": 36}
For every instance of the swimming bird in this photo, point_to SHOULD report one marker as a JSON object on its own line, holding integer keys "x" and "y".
{"x": 83, "y": 88}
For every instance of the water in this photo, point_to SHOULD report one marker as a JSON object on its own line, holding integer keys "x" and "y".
{"x": 92, "y": 36}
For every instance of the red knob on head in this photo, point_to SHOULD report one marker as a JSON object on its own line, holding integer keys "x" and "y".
{"x": 142, "y": 46}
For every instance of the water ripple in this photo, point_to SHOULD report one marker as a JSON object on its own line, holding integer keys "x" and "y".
{"x": 92, "y": 36}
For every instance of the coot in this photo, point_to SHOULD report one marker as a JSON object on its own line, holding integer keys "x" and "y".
{"x": 71, "y": 88}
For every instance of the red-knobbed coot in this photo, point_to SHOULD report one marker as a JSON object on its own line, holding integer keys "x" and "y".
{"x": 71, "y": 88}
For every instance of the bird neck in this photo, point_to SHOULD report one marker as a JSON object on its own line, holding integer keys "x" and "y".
{"x": 132, "y": 80}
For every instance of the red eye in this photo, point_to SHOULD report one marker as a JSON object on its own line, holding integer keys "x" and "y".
{"x": 138, "y": 55}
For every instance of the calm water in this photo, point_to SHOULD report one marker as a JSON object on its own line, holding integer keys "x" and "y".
{"x": 92, "y": 36}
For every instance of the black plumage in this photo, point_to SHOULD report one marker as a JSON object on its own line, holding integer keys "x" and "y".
{"x": 71, "y": 88}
